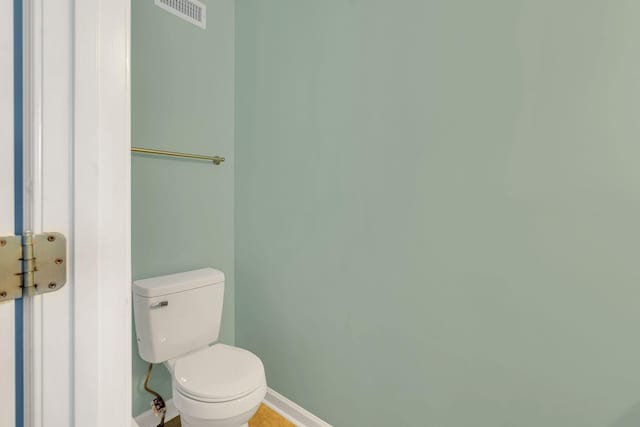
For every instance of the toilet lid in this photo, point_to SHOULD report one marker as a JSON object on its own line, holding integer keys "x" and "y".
{"x": 218, "y": 373}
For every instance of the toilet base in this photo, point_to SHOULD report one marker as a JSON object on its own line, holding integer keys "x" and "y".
{"x": 241, "y": 420}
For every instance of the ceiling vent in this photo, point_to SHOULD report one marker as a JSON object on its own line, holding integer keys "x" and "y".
{"x": 190, "y": 10}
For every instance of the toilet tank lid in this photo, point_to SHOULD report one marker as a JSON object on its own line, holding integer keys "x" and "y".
{"x": 179, "y": 282}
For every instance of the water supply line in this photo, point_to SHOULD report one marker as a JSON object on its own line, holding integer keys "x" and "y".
{"x": 157, "y": 405}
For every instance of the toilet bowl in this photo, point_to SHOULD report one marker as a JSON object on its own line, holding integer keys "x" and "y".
{"x": 177, "y": 317}
{"x": 220, "y": 386}
{"x": 234, "y": 413}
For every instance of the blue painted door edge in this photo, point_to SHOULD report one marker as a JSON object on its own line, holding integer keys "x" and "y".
{"x": 18, "y": 144}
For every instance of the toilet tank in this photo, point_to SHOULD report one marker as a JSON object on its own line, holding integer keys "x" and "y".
{"x": 177, "y": 314}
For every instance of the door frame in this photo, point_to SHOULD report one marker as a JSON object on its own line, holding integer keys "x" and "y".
{"x": 77, "y": 181}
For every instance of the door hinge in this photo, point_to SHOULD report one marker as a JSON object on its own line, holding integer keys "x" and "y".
{"x": 32, "y": 264}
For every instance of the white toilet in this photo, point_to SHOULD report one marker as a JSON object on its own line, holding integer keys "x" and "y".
{"x": 177, "y": 317}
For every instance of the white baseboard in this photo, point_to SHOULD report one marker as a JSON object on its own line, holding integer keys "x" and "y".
{"x": 291, "y": 411}
{"x": 274, "y": 400}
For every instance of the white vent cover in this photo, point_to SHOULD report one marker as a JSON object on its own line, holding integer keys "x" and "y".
{"x": 189, "y": 10}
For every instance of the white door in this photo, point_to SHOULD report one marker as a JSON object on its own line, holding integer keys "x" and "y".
{"x": 7, "y": 309}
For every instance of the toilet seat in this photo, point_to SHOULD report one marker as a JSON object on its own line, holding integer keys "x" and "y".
{"x": 219, "y": 373}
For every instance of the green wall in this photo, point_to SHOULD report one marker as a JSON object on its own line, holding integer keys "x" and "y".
{"x": 437, "y": 209}
{"x": 182, "y": 80}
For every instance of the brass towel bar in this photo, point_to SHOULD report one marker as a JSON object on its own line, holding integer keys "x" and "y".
{"x": 215, "y": 159}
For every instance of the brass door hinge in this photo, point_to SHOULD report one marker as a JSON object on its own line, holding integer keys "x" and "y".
{"x": 32, "y": 264}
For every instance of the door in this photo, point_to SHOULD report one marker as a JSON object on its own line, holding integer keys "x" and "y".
{"x": 7, "y": 309}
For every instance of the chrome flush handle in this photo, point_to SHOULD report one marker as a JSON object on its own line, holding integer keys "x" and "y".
{"x": 159, "y": 304}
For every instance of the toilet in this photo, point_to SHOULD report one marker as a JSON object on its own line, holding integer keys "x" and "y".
{"x": 177, "y": 317}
